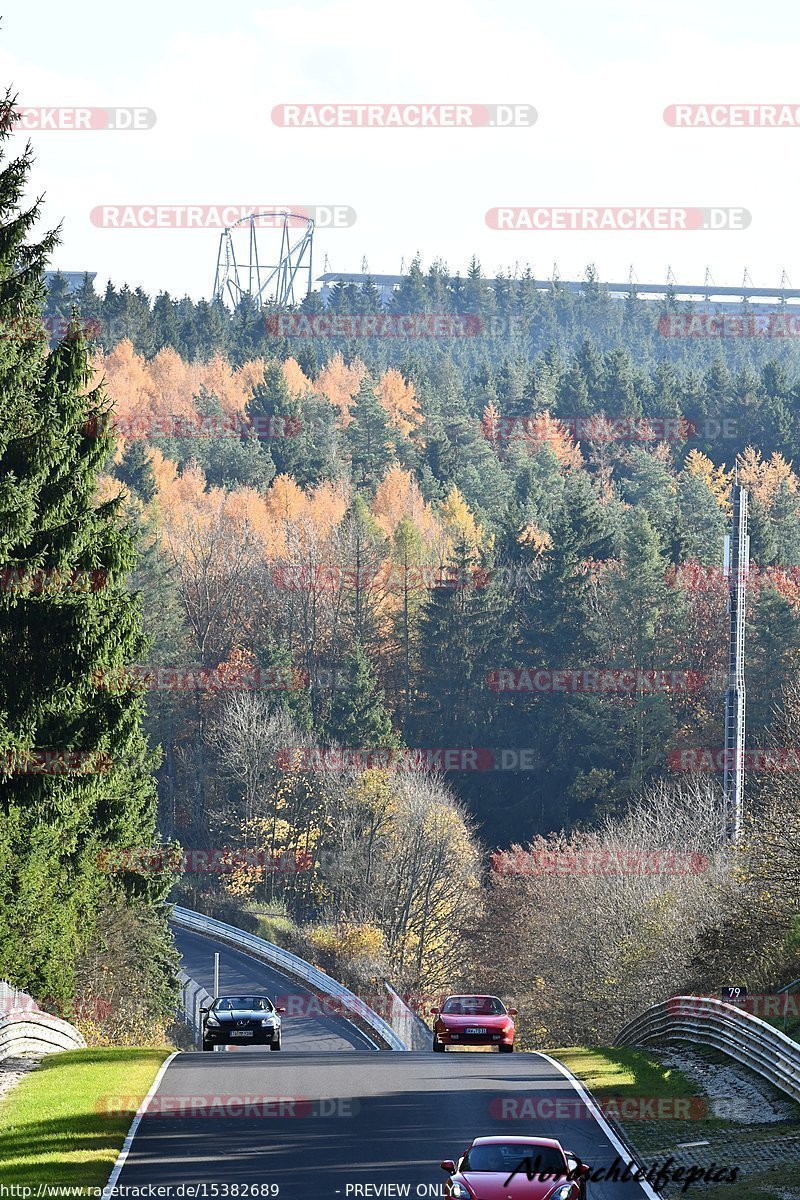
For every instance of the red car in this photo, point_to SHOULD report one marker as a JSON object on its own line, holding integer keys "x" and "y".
{"x": 527, "y": 1168}
{"x": 474, "y": 1021}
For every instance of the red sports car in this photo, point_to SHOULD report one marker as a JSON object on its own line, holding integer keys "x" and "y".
{"x": 474, "y": 1021}
{"x": 525, "y": 1168}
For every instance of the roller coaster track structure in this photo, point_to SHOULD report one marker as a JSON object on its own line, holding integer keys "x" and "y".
{"x": 265, "y": 283}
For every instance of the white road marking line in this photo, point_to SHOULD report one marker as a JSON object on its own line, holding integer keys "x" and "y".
{"x": 588, "y": 1100}
{"x": 142, "y": 1109}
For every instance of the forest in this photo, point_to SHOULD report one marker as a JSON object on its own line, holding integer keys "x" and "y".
{"x": 414, "y": 610}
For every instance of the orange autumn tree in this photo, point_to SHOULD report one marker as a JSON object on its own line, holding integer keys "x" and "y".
{"x": 398, "y": 400}
{"x": 231, "y": 387}
{"x": 251, "y": 374}
{"x": 549, "y": 431}
{"x": 297, "y": 382}
{"x": 339, "y": 383}
{"x": 128, "y": 381}
{"x": 215, "y": 540}
{"x": 327, "y": 505}
{"x": 490, "y": 422}
{"x": 173, "y": 386}
{"x": 764, "y": 478}
{"x": 398, "y": 496}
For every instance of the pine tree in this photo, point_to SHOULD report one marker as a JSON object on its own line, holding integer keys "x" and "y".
{"x": 79, "y": 779}
{"x": 773, "y": 654}
{"x": 358, "y": 718}
{"x": 136, "y": 472}
{"x": 369, "y": 437}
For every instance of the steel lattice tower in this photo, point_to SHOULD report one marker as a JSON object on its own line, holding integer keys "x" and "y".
{"x": 737, "y": 566}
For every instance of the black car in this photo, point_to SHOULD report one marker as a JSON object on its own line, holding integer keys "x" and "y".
{"x": 242, "y": 1020}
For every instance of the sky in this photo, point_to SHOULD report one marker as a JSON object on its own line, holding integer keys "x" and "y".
{"x": 599, "y": 76}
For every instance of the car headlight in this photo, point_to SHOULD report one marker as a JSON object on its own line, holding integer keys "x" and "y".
{"x": 562, "y": 1193}
{"x": 211, "y": 1020}
{"x": 458, "y": 1190}
{"x": 269, "y": 1021}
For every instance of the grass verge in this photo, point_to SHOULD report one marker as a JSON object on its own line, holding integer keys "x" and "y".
{"x": 622, "y": 1071}
{"x": 776, "y": 1184}
{"x": 65, "y": 1122}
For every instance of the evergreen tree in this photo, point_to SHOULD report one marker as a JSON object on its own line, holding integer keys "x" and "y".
{"x": 135, "y": 470}
{"x": 364, "y": 543}
{"x": 773, "y": 655}
{"x": 358, "y": 718}
{"x": 79, "y": 778}
{"x": 461, "y": 633}
{"x": 763, "y": 545}
{"x": 645, "y": 614}
{"x": 368, "y": 437}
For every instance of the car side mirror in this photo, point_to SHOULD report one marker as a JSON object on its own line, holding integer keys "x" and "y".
{"x": 204, "y": 1010}
{"x": 513, "y": 1012}
{"x": 280, "y": 1010}
{"x": 435, "y": 1012}
{"x": 448, "y": 1165}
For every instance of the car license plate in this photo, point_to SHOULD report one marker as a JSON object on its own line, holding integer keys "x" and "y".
{"x": 242, "y": 1033}
{"x": 481, "y": 1030}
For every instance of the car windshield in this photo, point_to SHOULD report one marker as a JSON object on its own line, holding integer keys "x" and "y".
{"x": 251, "y": 1003}
{"x": 474, "y": 1006}
{"x": 515, "y": 1156}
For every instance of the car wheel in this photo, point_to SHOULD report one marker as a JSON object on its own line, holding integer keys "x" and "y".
{"x": 506, "y": 1049}
{"x": 438, "y": 1046}
{"x": 275, "y": 1045}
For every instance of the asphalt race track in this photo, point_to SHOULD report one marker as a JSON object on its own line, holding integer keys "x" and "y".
{"x": 345, "y": 1120}
{"x": 240, "y": 972}
{"x": 318, "y": 1123}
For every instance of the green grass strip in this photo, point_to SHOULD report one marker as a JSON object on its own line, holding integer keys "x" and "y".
{"x": 65, "y": 1122}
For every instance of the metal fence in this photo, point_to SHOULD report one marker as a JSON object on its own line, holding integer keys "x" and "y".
{"x": 294, "y": 966}
{"x": 709, "y": 1022}
{"x": 193, "y": 998}
{"x": 14, "y": 1000}
{"x": 407, "y": 1024}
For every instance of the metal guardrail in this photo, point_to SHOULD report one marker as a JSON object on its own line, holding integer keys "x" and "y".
{"x": 193, "y": 998}
{"x": 26, "y": 1029}
{"x": 36, "y": 1033}
{"x": 709, "y": 1022}
{"x": 276, "y": 956}
{"x": 407, "y": 1024}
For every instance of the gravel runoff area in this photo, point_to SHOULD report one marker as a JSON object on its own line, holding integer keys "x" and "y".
{"x": 14, "y": 1069}
{"x": 734, "y": 1093}
{"x": 761, "y": 1127}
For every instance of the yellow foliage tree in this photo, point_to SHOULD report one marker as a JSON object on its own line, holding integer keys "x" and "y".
{"x": 296, "y": 381}
{"x": 398, "y": 496}
{"x": 763, "y": 479}
{"x": 716, "y": 479}
{"x": 459, "y": 522}
{"x": 172, "y": 384}
{"x": 286, "y": 500}
{"x": 339, "y": 383}
{"x": 128, "y": 382}
{"x": 537, "y": 539}
{"x": 398, "y": 401}
{"x": 230, "y": 387}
